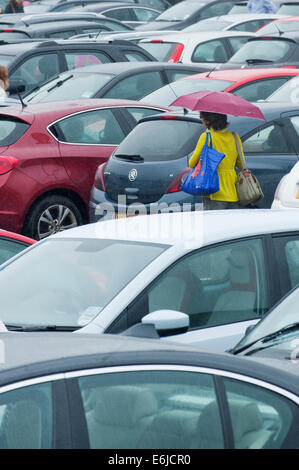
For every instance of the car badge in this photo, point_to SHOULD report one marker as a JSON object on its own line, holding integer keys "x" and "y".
{"x": 132, "y": 174}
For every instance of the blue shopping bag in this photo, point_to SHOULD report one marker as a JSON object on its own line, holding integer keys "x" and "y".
{"x": 204, "y": 180}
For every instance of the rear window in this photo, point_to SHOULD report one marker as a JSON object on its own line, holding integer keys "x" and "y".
{"x": 160, "y": 50}
{"x": 161, "y": 140}
{"x": 11, "y": 130}
{"x": 269, "y": 50}
{"x": 279, "y": 26}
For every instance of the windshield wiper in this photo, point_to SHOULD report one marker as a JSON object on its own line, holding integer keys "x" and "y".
{"x": 135, "y": 158}
{"x": 258, "y": 61}
{"x": 17, "y": 327}
{"x": 266, "y": 339}
{"x": 37, "y": 87}
{"x": 60, "y": 82}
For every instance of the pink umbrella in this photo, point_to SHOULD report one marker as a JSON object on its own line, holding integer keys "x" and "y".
{"x": 219, "y": 102}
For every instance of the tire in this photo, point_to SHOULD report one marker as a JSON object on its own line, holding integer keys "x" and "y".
{"x": 51, "y": 215}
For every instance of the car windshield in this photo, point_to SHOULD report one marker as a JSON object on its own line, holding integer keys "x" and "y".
{"x": 6, "y": 59}
{"x": 67, "y": 282}
{"x": 265, "y": 50}
{"x": 279, "y": 26}
{"x": 167, "y": 94}
{"x": 180, "y": 12}
{"x": 283, "y": 314}
{"x": 208, "y": 25}
{"x": 161, "y": 140}
{"x": 81, "y": 85}
{"x": 288, "y": 93}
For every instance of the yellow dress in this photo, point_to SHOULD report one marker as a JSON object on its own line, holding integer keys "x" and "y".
{"x": 224, "y": 142}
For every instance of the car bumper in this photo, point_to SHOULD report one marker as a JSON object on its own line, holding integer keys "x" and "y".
{"x": 101, "y": 207}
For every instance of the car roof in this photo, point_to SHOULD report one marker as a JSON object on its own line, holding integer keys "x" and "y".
{"x": 59, "y": 109}
{"x": 288, "y": 18}
{"x": 241, "y": 17}
{"x": 64, "y": 352}
{"x": 189, "y": 229}
{"x": 184, "y": 36}
{"x": 236, "y": 75}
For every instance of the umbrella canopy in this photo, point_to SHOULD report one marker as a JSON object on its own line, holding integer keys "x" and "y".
{"x": 219, "y": 102}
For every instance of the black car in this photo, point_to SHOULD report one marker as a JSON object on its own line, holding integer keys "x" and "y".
{"x": 129, "y": 13}
{"x": 279, "y": 50}
{"x": 123, "y": 80}
{"x": 31, "y": 63}
{"x": 116, "y": 392}
{"x": 188, "y": 12}
{"x": 158, "y": 148}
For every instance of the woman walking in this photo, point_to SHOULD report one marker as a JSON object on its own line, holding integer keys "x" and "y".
{"x": 224, "y": 142}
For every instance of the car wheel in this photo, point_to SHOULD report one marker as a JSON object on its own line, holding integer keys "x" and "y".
{"x": 51, "y": 215}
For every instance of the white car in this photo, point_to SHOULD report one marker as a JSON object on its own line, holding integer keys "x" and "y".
{"x": 250, "y": 22}
{"x": 287, "y": 192}
{"x": 222, "y": 269}
{"x": 210, "y": 48}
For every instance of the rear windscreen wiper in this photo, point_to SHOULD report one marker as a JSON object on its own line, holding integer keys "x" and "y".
{"x": 135, "y": 158}
{"x": 258, "y": 61}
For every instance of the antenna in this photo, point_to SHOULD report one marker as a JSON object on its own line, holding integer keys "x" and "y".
{"x": 280, "y": 32}
{"x": 211, "y": 71}
{"x": 22, "y": 102}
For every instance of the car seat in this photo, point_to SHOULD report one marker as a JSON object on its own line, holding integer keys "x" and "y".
{"x": 73, "y": 131}
{"x": 275, "y": 142}
{"x": 22, "y": 425}
{"x": 238, "y": 301}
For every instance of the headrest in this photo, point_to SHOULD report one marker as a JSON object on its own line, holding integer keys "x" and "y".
{"x": 209, "y": 428}
{"x": 124, "y": 405}
{"x": 239, "y": 265}
{"x": 246, "y": 417}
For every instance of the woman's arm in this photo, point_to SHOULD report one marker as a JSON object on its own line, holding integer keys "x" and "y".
{"x": 196, "y": 154}
{"x": 238, "y": 161}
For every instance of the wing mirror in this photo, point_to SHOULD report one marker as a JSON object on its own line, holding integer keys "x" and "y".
{"x": 16, "y": 86}
{"x": 160, "y": 323}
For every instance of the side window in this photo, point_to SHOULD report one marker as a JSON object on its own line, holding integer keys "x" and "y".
{"x": 287, "y": 255}
{"x": 261, "y": 419}
{"x": 151, "y": 410}
{"x": 174, "y": 75}
{"x": 295, "y": 121}
{"x": 81, "y": 59}
{"x": 121, "y": 14}
{"x": 219, "y": 285}
{"x": 211, "y": 51}
{"x": 26, "y": 418}
{"x": 92, "y": 127}
{"x": 137, "y": 86}
{"x": 218, "y": 9}
{"x": 36, "y": 70}
{"x": 237, "y": 42}
{"x": 9, "y": 248}
{"x": 267, "y": 140}
{"x": 62, "y": 34}
{"x": 139, "y": 113}
{"x": 142, "y": 14}
{"x": 250, "y": 26}
{"x": 157, "y": 4}
{"x": 261, "y": 89}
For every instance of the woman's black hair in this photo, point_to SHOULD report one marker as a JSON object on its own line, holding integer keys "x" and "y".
{"x": 215, "y": 121}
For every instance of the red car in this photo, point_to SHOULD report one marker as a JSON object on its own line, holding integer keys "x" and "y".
{"x": 281, "y": 25}
{"x": 49, "y": 153}
{"x": 11, "y": 244}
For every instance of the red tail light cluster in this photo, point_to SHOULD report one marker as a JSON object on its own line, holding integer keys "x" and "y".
{"x": 176, "y": 184}
{"x": 99, "y": 178}
{"x": 176, "y": 55}
{"x": 7, "y": 164}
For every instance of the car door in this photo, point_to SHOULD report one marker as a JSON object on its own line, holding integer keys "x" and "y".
{"x": 87, "y": 139}
{"x": 259, "y": 89}
{"x": 223, "y": 288}
{"x": 34, "y": 414}
{"x": 82, "y": 58}
{"x": 135, "y": 86}
{"x": 270, "y": 152}
{"x": 286, "y": 253}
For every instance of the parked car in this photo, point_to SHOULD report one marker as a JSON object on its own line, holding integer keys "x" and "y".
{"x": 131, "y": 14}
{"x": 188, "y": 12}
{"x": 250, "y": 84}
{"x": 49, "y": 155}
{"x": 160, "y": 5}
{"x": 281, "y": 25}
{"x": 133, "y": 36}
{"x": 124, "y": 80}
{"x": 31, "y": 63}
{"x": 78, "y": 390}
{"x": 267, "y": 51}
{"x": 12, "y": 243}
{"x": 43, "y": 6}
{"x": 209, "y": 49}
{"x": 286, "y": 195}
{"x": 289, "y": 8}
{"x": 217, "y": 267}
{"x": 287, "y": 93}
{"x": 160, "y": 147}
{"x": 276, "y": 335}
{"x": 249, "y": 23}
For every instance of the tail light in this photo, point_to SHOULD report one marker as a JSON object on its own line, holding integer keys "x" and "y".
{"x": 99, "y": 178}
{"x": 287, "y": 67}
{"x": 7, "y": 164}
{"x": 176, "y": 55}
{"x": 176, "y": 184}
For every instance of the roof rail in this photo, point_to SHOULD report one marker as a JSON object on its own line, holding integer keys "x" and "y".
{"x": 46, "y": 44}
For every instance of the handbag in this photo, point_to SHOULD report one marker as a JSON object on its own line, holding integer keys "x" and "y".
{"x": 248, "y": 188}
{"x": 204, "y": 179}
